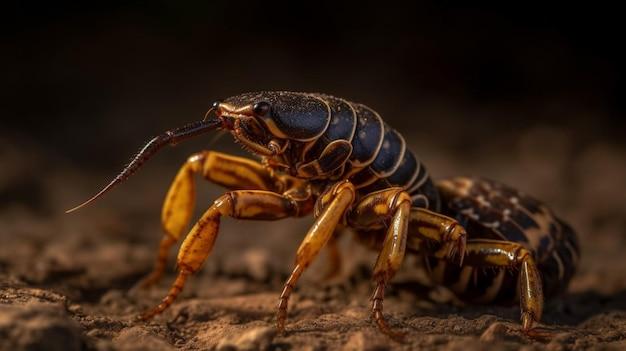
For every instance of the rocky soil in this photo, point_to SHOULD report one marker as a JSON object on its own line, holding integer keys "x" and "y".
{"x": 66, "y": 281}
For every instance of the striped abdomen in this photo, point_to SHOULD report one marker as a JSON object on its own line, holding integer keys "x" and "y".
{"x": 379, "y": 157}
{"x": 490, "y": 210}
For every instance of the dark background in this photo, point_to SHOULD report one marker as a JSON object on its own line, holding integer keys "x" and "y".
{"x": 100, "y": 78}
{"x": 531, "y": 95}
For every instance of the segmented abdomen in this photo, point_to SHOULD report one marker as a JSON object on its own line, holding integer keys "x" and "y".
{"x": 491, "y": 210}
{"x": 380, "y": 158}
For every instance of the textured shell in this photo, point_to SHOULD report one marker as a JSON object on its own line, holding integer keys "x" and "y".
{"x": 488, "y": 209}
{"x": 298, "y": 116}
{"x": 379, "y": 158}
{"x": 355, "y": 141}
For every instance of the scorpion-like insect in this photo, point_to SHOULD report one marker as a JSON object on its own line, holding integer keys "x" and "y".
{"x": 339, "y": 161}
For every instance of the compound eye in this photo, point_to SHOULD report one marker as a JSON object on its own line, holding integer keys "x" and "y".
{"x": 261, "y": 108}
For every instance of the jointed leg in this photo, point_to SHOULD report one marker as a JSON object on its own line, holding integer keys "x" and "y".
{"x": 334, "y": 205}
{"x": 393, "y": 206}
{"x": 232, "y": 172}
{"x": 432, "y": 226}
{"x": 503, "y": 254}
{"x": 243, "y": 204}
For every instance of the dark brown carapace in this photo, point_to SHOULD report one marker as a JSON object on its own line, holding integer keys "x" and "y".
{"x": 339, "y": 161}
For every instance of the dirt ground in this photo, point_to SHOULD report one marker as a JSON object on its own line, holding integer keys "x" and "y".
{"x": 66, "y": 281}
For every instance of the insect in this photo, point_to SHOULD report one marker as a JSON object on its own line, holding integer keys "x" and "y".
{"x": 340, "y": 162}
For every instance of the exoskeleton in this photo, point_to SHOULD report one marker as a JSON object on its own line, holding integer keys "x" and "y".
{"x": 339, "y": 161}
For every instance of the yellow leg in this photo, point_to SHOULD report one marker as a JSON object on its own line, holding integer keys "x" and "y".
{"x": 331, "y": 208}
{"x": 232, "y": 172}
{"x": 425, "y": 225}
{"x": 242, "y": 204}
{"x": 505, "y": 254}
{"x": 334, "y": 256}
{"x": 392, "y": 207}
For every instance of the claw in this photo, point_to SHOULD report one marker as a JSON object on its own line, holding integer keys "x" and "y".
{"x": 541, "y": 334}
{"x": 281, "y": 317}
{"x": 455, "y": 247}
{"x": 283, "y": 301}
{"x": 386, "y": 329}
{"x": 379, "y": 318}
{"x": 530, "y": 329}
{"x": 176, "y": 288}
{"x": 527, "y": 321}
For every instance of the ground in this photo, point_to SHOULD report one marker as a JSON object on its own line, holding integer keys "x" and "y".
{"x": 66, "y": 281}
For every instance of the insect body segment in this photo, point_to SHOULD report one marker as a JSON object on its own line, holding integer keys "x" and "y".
{"x": 494, "y": 211}
{"x": 340, "y": 162}
{"x": 354, "y": 144}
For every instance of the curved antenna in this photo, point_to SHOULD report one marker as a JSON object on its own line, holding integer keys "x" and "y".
{"x": 170, "y": 137}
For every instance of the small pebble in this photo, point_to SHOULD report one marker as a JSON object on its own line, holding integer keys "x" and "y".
{"x": 139, "y": 338}
{"x": 254, "y": 339}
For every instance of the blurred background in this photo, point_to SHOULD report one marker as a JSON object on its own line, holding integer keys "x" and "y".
{"x": 529, "y": 95}
{"x": 99, "y": 78}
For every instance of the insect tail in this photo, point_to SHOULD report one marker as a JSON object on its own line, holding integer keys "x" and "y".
{"x": 170, "y": 137}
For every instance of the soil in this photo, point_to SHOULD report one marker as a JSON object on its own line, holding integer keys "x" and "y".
{"x": 66, "y": 281}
